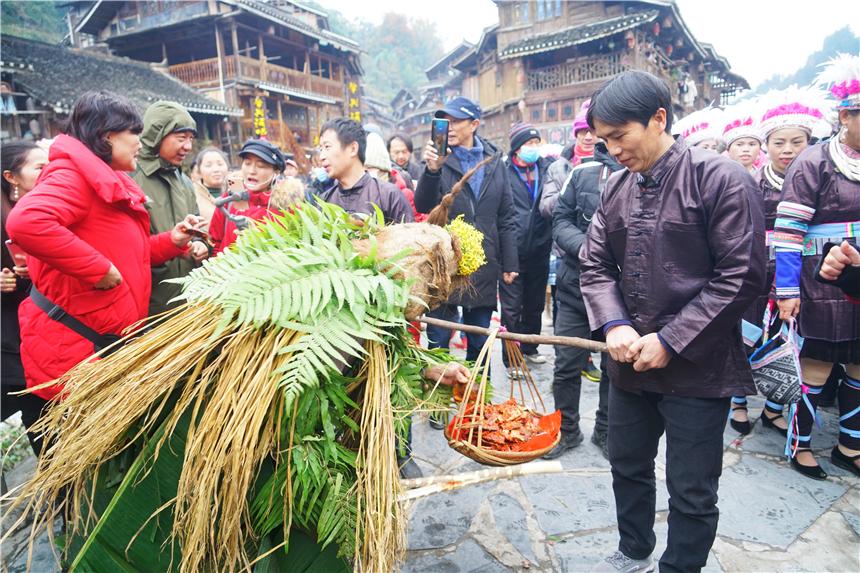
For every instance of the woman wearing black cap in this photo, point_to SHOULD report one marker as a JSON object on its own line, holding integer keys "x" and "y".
{"x": 262, "y": 162}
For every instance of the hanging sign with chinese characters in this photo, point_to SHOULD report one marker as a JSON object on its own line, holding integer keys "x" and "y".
{"x": 354, "y": 104}
{"x": 259, "y": 118}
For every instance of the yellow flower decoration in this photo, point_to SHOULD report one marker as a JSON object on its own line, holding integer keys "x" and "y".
{"x": 471, "y": 246}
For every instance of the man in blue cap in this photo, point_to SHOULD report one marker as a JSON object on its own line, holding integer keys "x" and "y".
{"x": 485, "y": 202}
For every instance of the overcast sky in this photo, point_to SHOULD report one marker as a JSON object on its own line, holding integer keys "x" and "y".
{"x": 758, "y": 37}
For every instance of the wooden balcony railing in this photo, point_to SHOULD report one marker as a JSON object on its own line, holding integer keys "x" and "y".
{"x": 579, "y": 70}
{"x": 205, "y": 73}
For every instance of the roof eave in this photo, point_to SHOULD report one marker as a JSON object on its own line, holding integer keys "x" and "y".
{"x": 550, "y": 46}
{"x": 450, "y": 55}
{"x": 339, "y": 42}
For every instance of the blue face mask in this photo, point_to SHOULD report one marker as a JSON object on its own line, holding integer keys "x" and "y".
{"x": 528, "y": 154}
{"x": 320, "y": 174}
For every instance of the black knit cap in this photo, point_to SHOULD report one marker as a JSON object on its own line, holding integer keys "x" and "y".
{"x": 265, "y": 150}
{"x": 520, "y": 133}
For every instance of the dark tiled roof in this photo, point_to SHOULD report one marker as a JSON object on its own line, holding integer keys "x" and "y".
{"x": 338, "y": 41}
{"x": 578, "y": 34}
{"x": 56, "y": 76}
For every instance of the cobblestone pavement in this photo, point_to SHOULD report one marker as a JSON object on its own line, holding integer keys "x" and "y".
{"x": 771, "y": 518}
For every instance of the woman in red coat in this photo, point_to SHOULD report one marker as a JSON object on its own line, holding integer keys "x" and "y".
{"x": 86, "y": 232}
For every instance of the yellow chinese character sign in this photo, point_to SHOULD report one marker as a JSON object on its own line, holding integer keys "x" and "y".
{"x": 354, "y": 103}
{"x": 259, "y": 118}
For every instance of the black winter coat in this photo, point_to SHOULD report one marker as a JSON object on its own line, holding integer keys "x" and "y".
{"x": 533, "y": 231}
{"x": 577, "y": 202}
{"x": 491, "y": 212}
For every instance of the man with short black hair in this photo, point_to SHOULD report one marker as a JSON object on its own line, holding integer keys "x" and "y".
{"x": 343, "y": 143}
{"x": 400, "y": 150}
{"x": 673, "y": 257}
{"x": 486, "y": 203}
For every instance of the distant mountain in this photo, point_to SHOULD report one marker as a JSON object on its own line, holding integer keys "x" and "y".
{"x": 395, "y": 52}
{"x": 44, "y": 21}
{"x": 840, "y": 41}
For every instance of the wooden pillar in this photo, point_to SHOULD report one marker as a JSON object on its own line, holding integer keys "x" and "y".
{"x": 307, "y": 85}
{"x": 264, "y": 72}
{"x": 283, "y": 126}
{"x": 235, "y": 37}
{"x": 219, "y": 49}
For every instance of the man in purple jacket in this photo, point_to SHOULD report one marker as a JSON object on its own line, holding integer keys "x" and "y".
{"x": 673, "y": 257}
{"x": 343, "y": 143}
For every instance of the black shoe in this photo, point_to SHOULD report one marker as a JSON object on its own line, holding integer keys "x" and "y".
{"x": 814, "y": 472}
{"x": 768, "y": 422}
{"x": 409, "y": 469}
{"x": 742, "y": 428}
{"x": 437, "y": 420}
{"x": 568, "y": 442}
{"x": 599, "y": 439}
{"x": 844, "y": 461}
{"x": 592, "y": 372}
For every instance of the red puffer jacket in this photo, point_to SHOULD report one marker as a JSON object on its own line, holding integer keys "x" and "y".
{"x": 81, "y": 217}
{"x": 398, "y": 180}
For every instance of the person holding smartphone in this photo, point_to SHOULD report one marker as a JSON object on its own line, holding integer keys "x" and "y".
{"x": 484, "y": 202}
{"x": 22, "y": 163}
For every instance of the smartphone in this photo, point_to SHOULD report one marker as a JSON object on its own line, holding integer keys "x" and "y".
{"x": 18, "y": 254}
{"x": 235, "y": 182}
{"x": 439, "y": 135}
{"x": 198, "y": 233}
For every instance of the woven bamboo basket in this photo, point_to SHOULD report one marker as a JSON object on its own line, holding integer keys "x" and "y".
{"x": 465, "y": 431}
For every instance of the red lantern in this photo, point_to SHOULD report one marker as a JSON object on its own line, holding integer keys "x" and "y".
{"x": 656, "y": 28}
{"x": 669, "y": 50}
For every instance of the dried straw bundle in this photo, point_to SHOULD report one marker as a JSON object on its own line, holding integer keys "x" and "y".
{"x": 378, "y": 483}
{"x": 254, "y": 360}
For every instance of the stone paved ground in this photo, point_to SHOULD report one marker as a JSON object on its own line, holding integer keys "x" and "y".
{"x": 772, "y": 519}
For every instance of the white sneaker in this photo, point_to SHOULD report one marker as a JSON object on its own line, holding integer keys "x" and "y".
{"x": 620, "y": 563}
{"x": 514, "y": 374}
{"x": 535, "y": 358}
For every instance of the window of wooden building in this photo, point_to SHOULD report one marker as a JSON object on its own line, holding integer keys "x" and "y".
{"x": 547, "y": 9}
{"x": 567, "y": 111}
{"x": 521, "y": 13}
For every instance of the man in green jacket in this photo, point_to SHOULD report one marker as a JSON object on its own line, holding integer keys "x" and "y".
{"x": 167, "y": 139}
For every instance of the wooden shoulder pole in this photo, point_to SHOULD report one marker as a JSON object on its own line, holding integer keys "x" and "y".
{"x": 591, "y": 345}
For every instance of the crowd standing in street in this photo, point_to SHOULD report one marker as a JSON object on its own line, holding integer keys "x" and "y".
{"x": 672, "y": 239}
